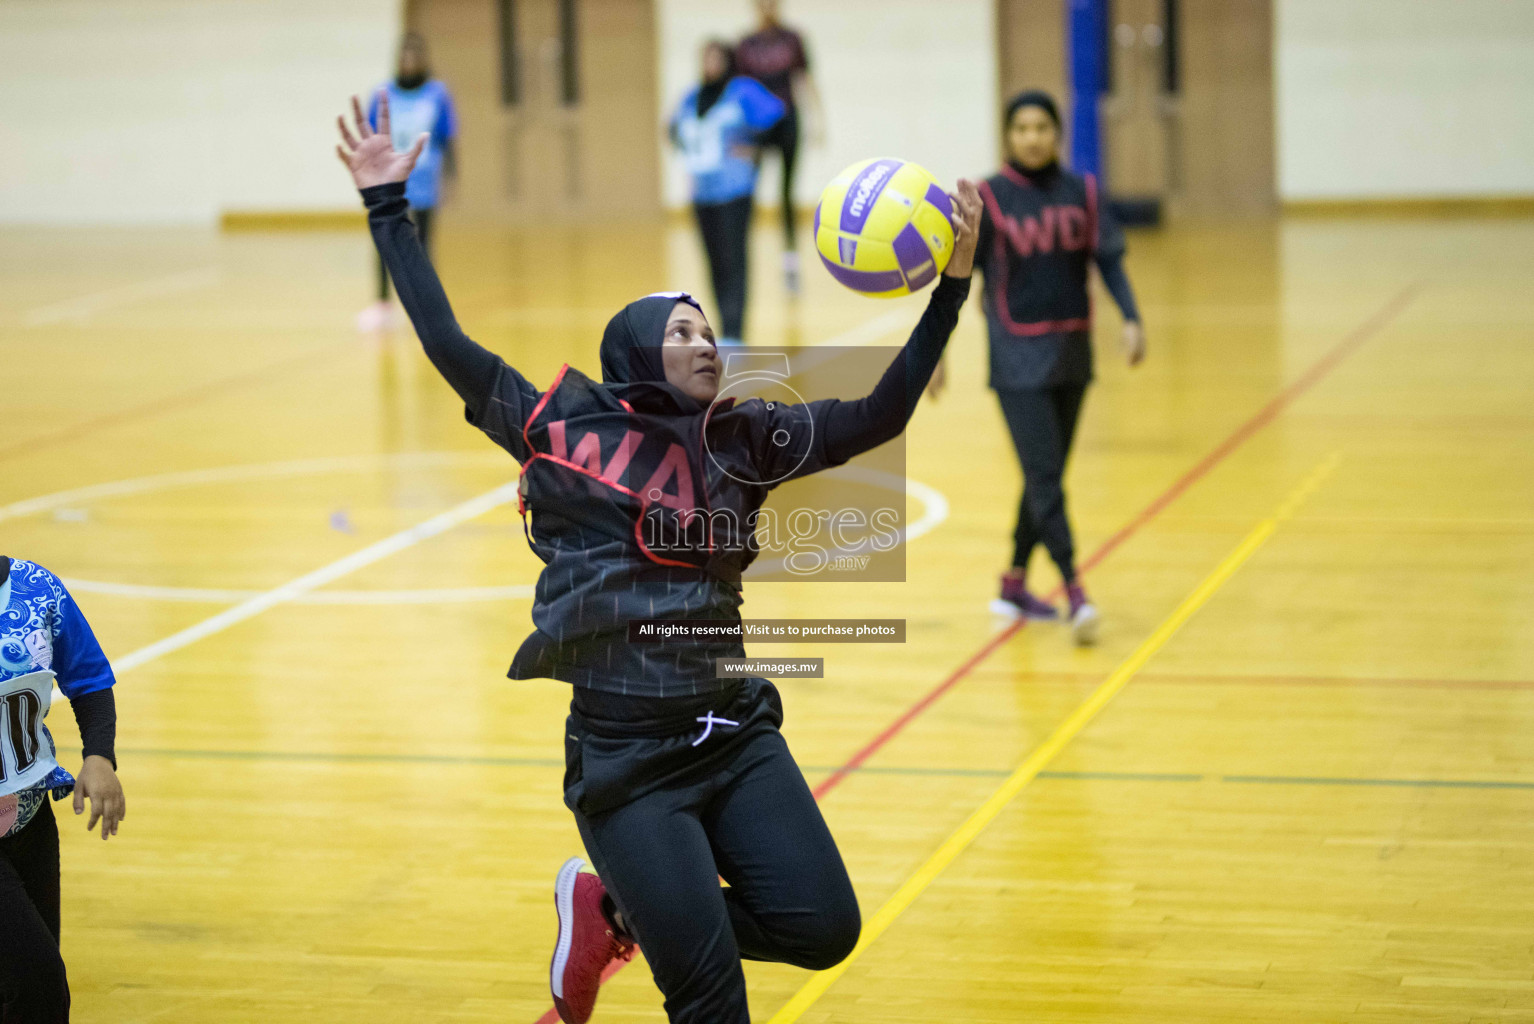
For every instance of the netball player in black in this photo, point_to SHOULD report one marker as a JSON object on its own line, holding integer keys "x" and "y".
{"x": 776, "y": 56}
{"x": 1041, "y": 228}
{"x": 675, "y": 778}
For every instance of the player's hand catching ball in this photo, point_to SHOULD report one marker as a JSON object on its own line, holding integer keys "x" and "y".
{"x": 371, "y": 156}
{"x": 966, "y": 229}
{"x": 98, "y": 783}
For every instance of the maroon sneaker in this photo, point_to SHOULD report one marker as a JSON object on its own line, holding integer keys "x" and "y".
{"x": 1084, "y": 617}
{"x": 588, "y": 942}
{"x": 1017, "y": 601}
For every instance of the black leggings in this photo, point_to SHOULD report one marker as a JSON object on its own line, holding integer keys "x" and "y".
{"x": 1043, "y": 425}
{"x": 737, "y": 807}
{"x": 33, "y": 987}
{"x": 726, "y": 229}
{"x": 784, "y": 137}
{"x": 422, "y": 220}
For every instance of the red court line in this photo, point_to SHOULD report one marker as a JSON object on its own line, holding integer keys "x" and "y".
{"x": 1307, "y": 380}
{"x": 1221, "y": 451}
{"x": 1341, "y": 682}
{"x": 1269, "y": 679}
{"x": 190, "y": 396}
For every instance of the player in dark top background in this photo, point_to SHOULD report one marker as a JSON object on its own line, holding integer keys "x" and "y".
{"x": 776, "y": 56}
{"x": 1042, "y": 228}
{"x": 676, "y": 778}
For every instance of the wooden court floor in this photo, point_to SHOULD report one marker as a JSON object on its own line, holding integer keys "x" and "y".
{"x": 1295, "y": 781}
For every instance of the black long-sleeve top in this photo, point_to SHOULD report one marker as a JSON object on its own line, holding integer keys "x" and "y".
{"x": 476, "y": 373}
{"x": 1039, "y": 235}
{"x": 590, "y": 521}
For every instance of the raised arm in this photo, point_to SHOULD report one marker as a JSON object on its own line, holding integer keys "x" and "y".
{"x": 380, "y": 171}
{"x": 851, "y": 428}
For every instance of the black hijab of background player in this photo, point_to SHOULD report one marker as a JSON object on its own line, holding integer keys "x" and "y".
{"x": 1032, "y": 98}
{"x": 1045, "y": 102}
{"x": 631, "y": 348}
{"x": 713, "y": 88}
{"x": 413, "y": 43}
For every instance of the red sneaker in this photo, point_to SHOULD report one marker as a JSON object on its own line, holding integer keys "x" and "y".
{"x": 588, "y": 942}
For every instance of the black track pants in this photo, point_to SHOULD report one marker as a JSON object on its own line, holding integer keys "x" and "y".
{"x": 736, "y": 806}
{"x": 726, "y": 229}
{"x": 33, "y": 987}
{"x": 1043, "y": 425}
{"x": 784, "y": 138}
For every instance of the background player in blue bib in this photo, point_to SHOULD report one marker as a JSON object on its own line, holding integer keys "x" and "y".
{"x": 718, "y": 126}
{"x": 45, "y": 641}
{"x": 419, "y": 105}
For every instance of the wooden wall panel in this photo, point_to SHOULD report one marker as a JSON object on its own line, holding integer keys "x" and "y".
{"x": 1226, "y": 108}
{"x": 1031, "y": 35}
{"x": 539, "y": 159}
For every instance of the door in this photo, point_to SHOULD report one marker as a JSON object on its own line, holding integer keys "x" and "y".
{"x": 557, "y": 104}
{"x": 1140, "y": 106}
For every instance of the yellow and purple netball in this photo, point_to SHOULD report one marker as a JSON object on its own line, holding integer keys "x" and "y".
{"x": 884, "y": 228}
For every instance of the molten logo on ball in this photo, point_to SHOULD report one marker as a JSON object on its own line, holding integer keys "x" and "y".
{"x": 884, "y": 228}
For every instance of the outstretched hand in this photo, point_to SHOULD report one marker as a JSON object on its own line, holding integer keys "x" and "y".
{"x": 966, "y": 228}
{"x": 370, "y": 156}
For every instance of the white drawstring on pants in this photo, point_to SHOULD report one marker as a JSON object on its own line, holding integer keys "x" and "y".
{"x": 709, "y": 721}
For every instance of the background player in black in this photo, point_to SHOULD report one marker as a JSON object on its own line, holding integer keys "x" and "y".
{"x": 776, "y": 56}
{"x": 675, "y": 778}
{"x": 1042, "y": 228}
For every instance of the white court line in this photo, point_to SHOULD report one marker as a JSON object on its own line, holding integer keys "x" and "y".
{"x": 319, "y": 577}
{"x": 82, "y": 307}
{"x": 237, "y": 474}
{"x": 309, "y": 581}
{"x": 863, "y": 334}
{"x": 208, "y": 595}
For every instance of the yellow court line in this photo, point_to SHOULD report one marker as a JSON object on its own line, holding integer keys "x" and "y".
{"x": 1045, "y": 753}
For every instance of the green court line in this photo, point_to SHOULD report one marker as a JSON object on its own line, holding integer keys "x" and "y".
{"x": 308, "y": 757}
{"x": 1307, "y": 780}
{"x": 1123, "y": 776}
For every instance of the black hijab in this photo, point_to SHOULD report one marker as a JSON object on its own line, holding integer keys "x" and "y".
{"x": 1045, "y": 102}
{"x": 713, "y": 88}
{"x": 631, "y": 353}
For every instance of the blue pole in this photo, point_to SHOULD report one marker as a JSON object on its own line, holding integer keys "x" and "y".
{"x": 1086, "y": 23}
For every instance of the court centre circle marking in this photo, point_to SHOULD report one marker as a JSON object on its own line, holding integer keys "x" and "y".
{"x": 934, "y": 512}
{"x": 243, "y": 473}
{"x": 266, "y": 471}
{"x": 208, "y": 595}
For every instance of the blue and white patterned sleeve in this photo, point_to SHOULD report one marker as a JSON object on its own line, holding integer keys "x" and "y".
{"x": 78, "y": 661}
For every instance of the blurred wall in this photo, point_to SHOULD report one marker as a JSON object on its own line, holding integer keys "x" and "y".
{"x": 915, "y": 79}
{"x": 1224, "y": 122}
{"x": 535, "y": 157}
{"x": 178, "y": 110}
{"x": 1031, "y": 42}
{"x": 1404, "y": 98}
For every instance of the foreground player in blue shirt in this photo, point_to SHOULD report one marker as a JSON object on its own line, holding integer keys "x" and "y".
{"x": 419, "y": 105}
{"x": 718, "y": 127}
{"x": 45, "y": 641}
{"x": 675, "y": 777}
